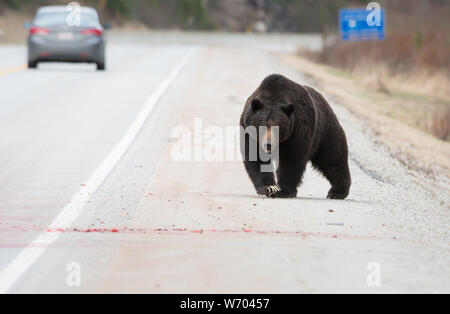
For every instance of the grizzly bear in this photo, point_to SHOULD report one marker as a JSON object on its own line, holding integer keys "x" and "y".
{"x": 306, "y": 130}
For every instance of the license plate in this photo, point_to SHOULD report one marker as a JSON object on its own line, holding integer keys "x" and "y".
{"x": 65, "y": 36}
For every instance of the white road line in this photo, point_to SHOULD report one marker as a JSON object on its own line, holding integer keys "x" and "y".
{"x": 10, "y": 275}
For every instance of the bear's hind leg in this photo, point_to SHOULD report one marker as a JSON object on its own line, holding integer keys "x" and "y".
{"x": 338, "y": 174}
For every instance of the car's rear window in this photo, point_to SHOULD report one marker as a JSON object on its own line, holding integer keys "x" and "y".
{"x": 61, "y": 18}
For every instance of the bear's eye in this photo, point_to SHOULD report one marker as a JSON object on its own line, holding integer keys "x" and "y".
{"x": 288, "y": 109}
{"x": 256, "y": 105}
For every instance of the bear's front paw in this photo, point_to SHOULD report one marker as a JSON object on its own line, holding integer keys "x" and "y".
{"x": 268, "y": 191}
{"x": 284, "y": 194}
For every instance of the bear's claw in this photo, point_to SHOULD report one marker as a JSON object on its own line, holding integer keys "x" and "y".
{"x": 269, "y": 191}
{"x": 273, "y": 189}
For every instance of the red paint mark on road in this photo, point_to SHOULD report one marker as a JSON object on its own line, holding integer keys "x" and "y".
{"x": 126, "y": 230}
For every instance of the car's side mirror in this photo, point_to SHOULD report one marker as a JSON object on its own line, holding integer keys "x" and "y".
{"x": 27, "y": 25}
{"x": 107, "y": 26}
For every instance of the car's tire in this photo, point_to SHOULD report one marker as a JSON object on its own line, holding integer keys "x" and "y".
{"x": 32, "y": 65}
{"x": 101, "y": 66}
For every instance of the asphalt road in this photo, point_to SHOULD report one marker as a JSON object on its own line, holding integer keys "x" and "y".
{"x": 89, "y": 185}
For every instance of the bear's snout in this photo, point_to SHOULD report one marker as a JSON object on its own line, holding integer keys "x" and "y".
{"x": 269, "y": 140}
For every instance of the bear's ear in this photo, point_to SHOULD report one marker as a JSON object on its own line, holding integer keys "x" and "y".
{"x": 288, "y": 109}
{"x": 256, "y": 105}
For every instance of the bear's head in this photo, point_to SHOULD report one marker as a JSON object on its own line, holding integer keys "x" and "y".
{"x": 274, "y": 122}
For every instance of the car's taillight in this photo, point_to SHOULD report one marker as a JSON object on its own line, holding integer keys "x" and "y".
{"x": 92, "y": 31}
{"x": 39, "y": 31}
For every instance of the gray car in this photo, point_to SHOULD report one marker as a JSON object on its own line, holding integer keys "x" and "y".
{"x": 56, "y": 36}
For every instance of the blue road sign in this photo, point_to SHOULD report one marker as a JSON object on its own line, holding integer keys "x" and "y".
{"x": 355, "y": 26}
